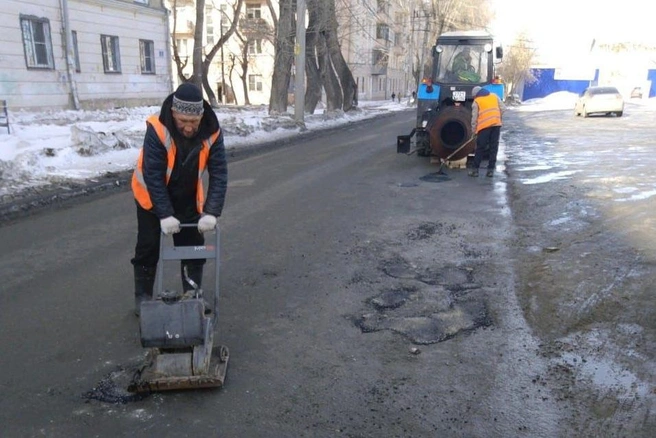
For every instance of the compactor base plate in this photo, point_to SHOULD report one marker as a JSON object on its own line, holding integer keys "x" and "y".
{"x": 147, "y": 379}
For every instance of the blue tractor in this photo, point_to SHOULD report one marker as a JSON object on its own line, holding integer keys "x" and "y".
{"x": 461, "y": 61}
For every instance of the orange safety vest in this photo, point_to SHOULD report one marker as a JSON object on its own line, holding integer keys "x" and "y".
{"x": 139, "y": 187}
{"x": 489, "y": 113}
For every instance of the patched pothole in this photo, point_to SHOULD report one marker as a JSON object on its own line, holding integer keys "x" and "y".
{"x": 461, "y": 318}
{"x": 428, "y": 306}
{"x": 113, "y": 388}
{"x": 445, "y": 275}
{"x": 436, "y": 177}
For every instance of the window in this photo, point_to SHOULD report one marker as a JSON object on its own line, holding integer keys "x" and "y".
{"x": 147, "y": 55}
{"x": 379, "y": 57}
{"x": 209, "y": 26}
{"x": 382, "y": 32}
{"x": 254, "y": 82}
{"x": 464, "y": 64}
{"x": 183, "y": 47}
{"x": 253, "y": 10}
{"x": 76, "y": 52}
{"x": 37, "y": 43}
{"x": 110, "y": 53}
{"x": 255, "y": 47}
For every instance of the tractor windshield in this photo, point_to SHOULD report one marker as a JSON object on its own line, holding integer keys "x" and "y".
{"x": 465, "y": 64}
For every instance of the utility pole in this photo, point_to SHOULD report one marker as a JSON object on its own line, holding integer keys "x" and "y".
{"x": 423, "y": 47}
{"x": 70, "y": 61}
{"x": 299, "y": 49}
{"x": 224, "y": 99}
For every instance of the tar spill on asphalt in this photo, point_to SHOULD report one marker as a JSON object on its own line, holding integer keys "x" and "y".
{"x": 113, "y": 388}
{"x": 436, "y": 177}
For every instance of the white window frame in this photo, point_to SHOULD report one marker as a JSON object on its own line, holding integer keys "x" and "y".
{"x": 255, "y": 83}
{"x": 255, "y": 46}
{"x": 253, "y": 10}
{"x": 147, "y": 53}
{"x": 38, "y": 54}
{"x": 111, "y": 53}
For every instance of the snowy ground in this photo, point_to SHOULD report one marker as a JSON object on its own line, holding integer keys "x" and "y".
{"x": 50, "y": 147}
{"x": 47, "y": 148}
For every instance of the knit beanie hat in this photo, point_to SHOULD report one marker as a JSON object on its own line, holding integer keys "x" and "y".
{"x": 475, "y": 90}
{"x": 188, "y": 100}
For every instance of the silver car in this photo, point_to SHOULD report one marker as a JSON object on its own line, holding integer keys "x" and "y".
{"x": 599, "y": 100}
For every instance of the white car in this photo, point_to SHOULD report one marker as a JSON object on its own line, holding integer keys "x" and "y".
{"x": 599, "y": 100}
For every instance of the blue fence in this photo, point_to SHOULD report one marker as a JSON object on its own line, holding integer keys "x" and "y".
{"x": 546, "y": 84}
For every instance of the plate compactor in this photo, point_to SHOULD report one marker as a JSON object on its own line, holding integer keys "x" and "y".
{"x": 178, "y": 329}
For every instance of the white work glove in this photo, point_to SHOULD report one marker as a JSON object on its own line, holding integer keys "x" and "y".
{"x": 206, "y": 223}
{"x": 169, "y": 225}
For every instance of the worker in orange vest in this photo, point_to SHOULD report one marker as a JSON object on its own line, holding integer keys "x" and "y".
{"x": 486, "y": 122}
{"x": 181, "y": 143}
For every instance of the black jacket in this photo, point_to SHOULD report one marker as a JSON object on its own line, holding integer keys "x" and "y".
{"x": 178, "y": 198}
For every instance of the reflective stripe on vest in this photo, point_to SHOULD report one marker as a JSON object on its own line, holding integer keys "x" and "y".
{"x": 489, "y": 113}
{"x": 139, "y": 187}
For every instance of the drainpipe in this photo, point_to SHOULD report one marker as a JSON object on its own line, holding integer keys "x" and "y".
{"x": 68, "y": 47}
{"x": 168, "y": 43}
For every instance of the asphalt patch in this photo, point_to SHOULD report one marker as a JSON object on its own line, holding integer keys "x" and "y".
{"x": 435, "y": 177}
{"x": 429, "y": 306}
{"x": 447, "y": 275}
{"x": 463, "y": 317}
{"x": 113, "y": 388}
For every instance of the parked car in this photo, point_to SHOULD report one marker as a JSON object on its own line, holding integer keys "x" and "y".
{"x": 599, "y": 100}
{"x": 636, "y": 93}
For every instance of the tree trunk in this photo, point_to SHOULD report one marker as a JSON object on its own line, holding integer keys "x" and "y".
{"x": 197, "y": 75}
{"x": 328, "y": 77}
{"x": 314, "y": 82}
{"x": 244, "y": 72}
{"x": 348, "y": 85}
{"x": 232, "y": 85}
{"x": 284, "y": 54}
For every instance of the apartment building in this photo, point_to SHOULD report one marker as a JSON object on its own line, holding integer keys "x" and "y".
{"x": 242, "y": 69}
{"x": 118, "y": 53}
{"x": 374, "y": 35}
{"x": 376, "y": 41}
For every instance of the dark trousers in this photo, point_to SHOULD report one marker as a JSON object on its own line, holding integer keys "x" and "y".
{"x": 149, "y": 233}
{"x": 487, "y": 138}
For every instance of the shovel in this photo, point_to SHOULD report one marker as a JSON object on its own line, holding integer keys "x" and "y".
{"x": 443, "y": 161}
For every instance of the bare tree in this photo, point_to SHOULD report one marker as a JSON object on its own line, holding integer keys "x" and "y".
{"x": 284, "y": 56}
{"x": 313, "y": 76}
{"x": 215, "y": 49}
{"x": 231, "y": 70}
{"x": 434, "y": 17}
{"x": 197, "y": 74}
{"x": 516, "y": 67}
{"x": 242, "y": 61}
{"x": 253, "y": 32}
{"x": 202, "y": 64}
{"x": 180, "y": 63}
{"x": 338, "y": 63}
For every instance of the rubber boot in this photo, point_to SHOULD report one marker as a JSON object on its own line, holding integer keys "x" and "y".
{"x": 195, "y": 274}
{"x": 144, "y": 280}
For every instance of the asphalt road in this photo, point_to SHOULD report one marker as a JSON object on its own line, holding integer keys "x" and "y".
{"x": 361, "y": 295}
